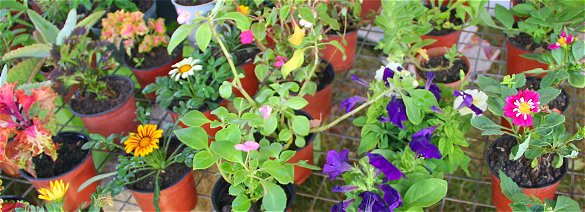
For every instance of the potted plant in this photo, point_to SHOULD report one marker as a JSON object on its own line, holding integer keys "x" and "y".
{"x": 525, "y": 36}
{"x": 533, "y": 151}
{"x": 156, "y": 168}
{"x": 144, "y": 44}
{"x": 345, "y": 32}
{"x": 447, "y": 65}
{"x": 523, "y": 202}
{"x": 187, "y": 10}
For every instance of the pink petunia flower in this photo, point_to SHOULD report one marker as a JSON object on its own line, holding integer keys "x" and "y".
{"x": 521, "y": 106}
{"x": 563, "y": 41}
{"x": 247, "y": 146}
{"x": 279, "y": 61}
{"x": 265, "y": 110}
{"x": 246, "y": 37}
{"x": 183, "y": 17}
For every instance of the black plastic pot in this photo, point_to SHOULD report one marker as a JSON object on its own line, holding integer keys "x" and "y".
{"x": 221, "y": 187}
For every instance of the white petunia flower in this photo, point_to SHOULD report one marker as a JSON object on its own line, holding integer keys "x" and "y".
{"x": 305, "y": 23}
{"x": 185, "y": 68}
{"x": 479, "y": 101}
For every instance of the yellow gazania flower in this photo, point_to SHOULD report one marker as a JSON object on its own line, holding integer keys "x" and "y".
{"x": 56, "y": 191}
{"x": 144, "y": 142}
{"x": 244, "y": 9}
{"x": 298, "y": 36}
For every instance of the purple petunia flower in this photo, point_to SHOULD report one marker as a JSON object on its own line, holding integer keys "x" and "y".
{"x": 341, "y": 206}
{"x": 343, "y": 189}
{"x": 421, "y": 144}
{"x": 396, "y": 112}
{"x": 391, "y": 196}
{"x": 360, "y": 81}
{"x": 337, "y": 163}
{"x": 380, "y": 163}
{"x": 350, "y": 102}
{"x": 432, "y": 87}
{"x": 372, "y": 202}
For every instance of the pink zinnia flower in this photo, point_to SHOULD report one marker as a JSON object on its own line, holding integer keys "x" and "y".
{"x": 563, "y": 41}
{"x": 279, "y": 61}
{"x": 247, "y": 146}
{"x": 246, "y": 37}
{"x": 265, "y": 110}
{"x": 520, "y": 107}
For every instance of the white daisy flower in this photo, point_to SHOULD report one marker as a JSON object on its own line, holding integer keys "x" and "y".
{"x": 185, "y": 68}
{"x": 479, "y": 100}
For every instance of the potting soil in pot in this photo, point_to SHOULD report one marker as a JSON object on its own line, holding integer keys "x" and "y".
{"x": 520, "y": 170}
{"x": 143, "y": 5}
{"x": 444, "y": 76}
{"x": 245, "y": 54}
{"x": 157, "y": 57}
{"x": 70, "y": 155}
{"x": 560, "y": 102}
{"x": 456, "y": 21}
{"x": 89, "y": 104}
{"x": 524, "y": 41}
{"x": 173, "y": 174}
{"x": 192, "y": 2}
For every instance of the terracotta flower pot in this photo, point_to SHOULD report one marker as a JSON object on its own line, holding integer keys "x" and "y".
{"x": 447, "y": 40}
{"x": 335, "y": 56}
{"x": 517, "y": 64}
{"x": 148, "y": 75}
{"x": 502, "y": 203}
{"x": 304, "y": 153}
{"x": 370, "y": 9}
{"x": 116, "y": 120}
{"x": 210, "y": 131}
{"x": 440, "y": 51}
{"x": 75, "y": 177}
{"x": 319, "y": 105}
{"x": 221, "y": 188}
{"x": 182, "y": 196}
{"x": 250, "y": 81}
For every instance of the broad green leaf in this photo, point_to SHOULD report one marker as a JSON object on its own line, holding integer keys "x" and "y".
{"x": 241, "y": 203}
{"x": 22, "y": 71}
{"x": 307, "y": 14}
{"x": 578, "y": 49}
{"x": 40, "y": 50}
{"x": 203, "y": 36}
{"x": 484, "y": 123}
{"x": 339, "y": 47}
{"x": 304, "y": 164}
{"x": 413, "y": 112}
{"x": 194, "y": 137}
{"x": 566, "y": 204}
{"x": 425, "y": 193}
{"x": 518, "y": 150}
{"x": 277, "y": 170}
{"x": 297, "y": 103}
{"x": 577, "y": 79}
{"x": 179, "y": 36}
{"x": 194, "y": 118}
{"x": 269, "y": 126}
{"x": 274, "y": 197}
{"x": 203, "y": 160}
{"x": 227, "y": 151}
{"x": 509, "y": 187}
{"x": 90, "y": 20}
{"x": 504, "y": 16}
{"x": 284, "y": 11}
{"x": 47, "y": 30}
{"x": 300, "y": 125}
{"x": 225, "y": 90}
{"x": 295, "y": 62}
{"x": 68, "y": 27}
{"x": 259, "y": 31}
{"x": 548, "y": 94}
{"x": 242, "y": 22}
{"x": 230, "y": 134}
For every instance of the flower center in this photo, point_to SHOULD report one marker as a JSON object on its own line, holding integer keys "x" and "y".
{"x": 184, "y": 68}
{"x": 145, "y": 142}
{"x": 562, "y": 41}
{"x": 524, "y": 108}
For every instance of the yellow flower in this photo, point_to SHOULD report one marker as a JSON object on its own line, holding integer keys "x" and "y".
{"x": 298, "y": 36}
{"x": 55, "y": 192}
{"x": 244, "y": 9}
{"x": 423, "y": 53}
{"x": 145, "y": 141}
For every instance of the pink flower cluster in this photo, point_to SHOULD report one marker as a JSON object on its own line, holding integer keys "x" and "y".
{"x": 522, "y": 106}
{"x": 130, "y": 29}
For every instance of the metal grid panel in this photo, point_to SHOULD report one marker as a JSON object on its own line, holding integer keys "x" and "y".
{"x": 315, "y": 195}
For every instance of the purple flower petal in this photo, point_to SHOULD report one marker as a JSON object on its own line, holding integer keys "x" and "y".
{"x": 343, "y": 189}
{"x": 337, "y": 163}
{"x": 388, "y": 73}
{"x": 396, "y": 112}
{"x": 430, "y": 77}
{"x": 350, "y": 102}
{"x": 467, "y": 102}
{"x": 360, "y": 81}
{"x": 372, "y": 202}
{"x": 421, "y": 144}
{"x": 341, "y": 206}
{"x": 389, "y": 170}
{"x": 554, "y": 46}
{"x": 391, "y": 196}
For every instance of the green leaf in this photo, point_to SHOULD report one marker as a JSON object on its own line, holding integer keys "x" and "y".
{"x": 225, "y": 90}
{"x": 578, "y": 50}
{"x": 566, "y": 204}
{"x": 300, "y": 125}
{"x": 47, "y": 30}
{"x": 68, "y": 27}
{"x": 413, "y": 112}
{"x": 297, "y": 103}
{"x": 90, "y": 20}
{"x": 425, "y": 193}
{"x": 203, "y": 36}
{"x": 231, "y": 134}
{"x": 40, "y": 50}
{"x": 277, "y": 170}
{"x": 242, "y": 22}
{"x": 22, "y": 71}
{"x": 194, "y": 118}
{"x": 304, "y": 164}
{"x": 518, "y": 150}
{"x": 504, "y": 16}
{"x": 203, "y": 160}
{"x": 284, "y": 135}
{"x": 295, "y": 62}
{"x": 523, "y": 9}
{"x": 179, "y": 36}
{"x": 509, "y": 187}
{"x": 259, "y": 31}
{"x": 548, "y": 94}
{"x": 274, "y": 197}
{"x": 241, "y": 203}
{"x": 339, "y": 47}
{"x": 424, "y": 99}
{"x": 307, "y": 14}
{"x": 227, "y": 151}
{"x": 194, "y": 137}
{"x": 261, "y": 72}
{"x": 484, "y": 123}
{"x": 577, "y": 79}
{"x": 284, "y": 11}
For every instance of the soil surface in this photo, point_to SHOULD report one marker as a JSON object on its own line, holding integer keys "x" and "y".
{"x": 520, "y": 170}
{"x": 157, "y": 57}
{"x": 172, "y": 174}
{"x": 560, "y": 102}
{"x": 192, "y": 2}
{"x": 524, "y": 41}
{"x": 143, "y": 5}
{"x": 89, "y": 104}
{"x": 70, "y": 155}
{"x": 444, "y": 76}
{"x": 245, "y": 54}
{"x": 453, "y": 19}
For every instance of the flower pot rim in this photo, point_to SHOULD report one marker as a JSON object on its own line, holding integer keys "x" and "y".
{"x": 87, "y": 157}
{"x": 175, "y": 2}
{"x": 291, "y": 188}
{"x": 13, "y": 198}
{"x": 179, "y": 55}
{"x": 564, "y": 168}
{"x": 115, "y": 107}
{"x": 508, "y": 43}
{"x": 171, "y": 186}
